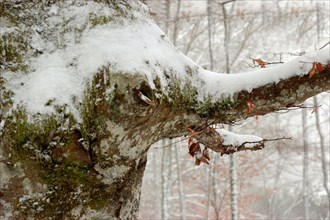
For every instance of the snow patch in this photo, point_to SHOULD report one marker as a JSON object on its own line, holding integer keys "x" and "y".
{"x": 232, "y": 139}
{"x": 63, "y": 74}
{"x": 130, "y": 47}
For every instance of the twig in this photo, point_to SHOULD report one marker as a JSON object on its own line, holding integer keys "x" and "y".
{"x": 277, "y": 139}
{"x": 324, "y": 45}
{"x": 172, "y": 143}
{"x": 304, "y": 62}
{"x": 226, "y": 2}
{"x": 297, "y": 54}
{"x": 192, "y": 135}
{"x": 266, "y": 140}
{"x": 291, "y": 53}
{"x": 247, "y": 142}
{"x": 263, "y": 62}
{"x": 293, "y": 108}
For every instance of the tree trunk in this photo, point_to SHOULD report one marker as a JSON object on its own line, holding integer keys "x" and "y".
{"x": 233, "y": 187}
{"x": 305, "y": 166}
{"x": 209, "y": 31}
{"x": 176, "y": 23}
{"x": 164, "y": 182}
{"x": 180, "y": 186}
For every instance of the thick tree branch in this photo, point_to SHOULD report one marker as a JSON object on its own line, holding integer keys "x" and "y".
{"x": 286, "y": 93}
{"x": 280, "y": 91}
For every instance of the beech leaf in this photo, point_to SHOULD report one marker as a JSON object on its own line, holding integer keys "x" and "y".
{"x": 319, "y": 67}
{"x": 194, "y": 148}
{"x": 260, "y": 62}
{"x": 250, "y": 105}
{"x": 206, "y": 153}
{"x": 312, "y": 72}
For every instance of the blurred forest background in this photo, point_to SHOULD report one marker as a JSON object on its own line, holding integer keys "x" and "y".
{"x": 289, "y": 179}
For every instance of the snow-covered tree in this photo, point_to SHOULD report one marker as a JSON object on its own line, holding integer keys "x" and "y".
{"x": 88, "y": 86}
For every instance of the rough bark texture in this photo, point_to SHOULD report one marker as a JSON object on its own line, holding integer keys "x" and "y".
{"x": 52, "y": 167}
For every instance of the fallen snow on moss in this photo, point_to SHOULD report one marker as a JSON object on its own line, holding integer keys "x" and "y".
{"x": 138, "y": 47}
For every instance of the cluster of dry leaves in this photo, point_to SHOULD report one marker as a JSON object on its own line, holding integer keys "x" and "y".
{"x": 195, "y": 150}
{"x": 317, "y": 68}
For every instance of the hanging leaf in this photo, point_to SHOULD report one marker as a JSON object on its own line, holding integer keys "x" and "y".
{"x": 195, "y": 149}
{"x": 250, "y": 105}
{"x": 193, "y": 146}
{"x": 313, "y": 70}
{"x": 206, "y": 153}
{"x": 190, "y": 141}
{"x": 197, "y": 162}
{"x": 204, "y": 159}
{"x": 319, "y": 67}
{"x": 260, "y": 62}
{"x": 201, "y": 158}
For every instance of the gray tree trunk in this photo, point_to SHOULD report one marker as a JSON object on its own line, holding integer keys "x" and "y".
{"x": 164, "y": 182}
{"x": 305, "y": 166}
{"x": 233, "y": 187}
{"x": 180, "y": 186}
{"x": 209, "y": 31}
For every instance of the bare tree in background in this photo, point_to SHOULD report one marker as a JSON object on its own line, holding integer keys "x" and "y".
{"x": 305, "y": 165}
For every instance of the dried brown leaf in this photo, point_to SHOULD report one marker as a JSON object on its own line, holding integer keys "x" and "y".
{"x": 260, "y": 62}
{"x": 312, "y": 71}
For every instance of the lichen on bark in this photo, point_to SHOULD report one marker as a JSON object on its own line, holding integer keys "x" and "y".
{"x": 56, "y": 166}
{"x": 74, "y": 166}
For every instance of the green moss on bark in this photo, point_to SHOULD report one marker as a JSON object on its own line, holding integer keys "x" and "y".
{"x": 13, "y": 48}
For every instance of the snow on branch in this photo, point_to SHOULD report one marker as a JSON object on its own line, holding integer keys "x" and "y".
{"x": 226, "y": 142}
{"x": 221, "y": 141}
{"x": 239, "y": 140}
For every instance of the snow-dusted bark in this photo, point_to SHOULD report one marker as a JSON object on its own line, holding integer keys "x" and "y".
{"x": 88, "y": 86}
